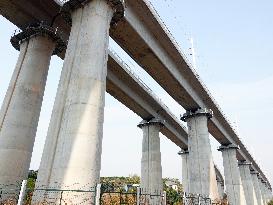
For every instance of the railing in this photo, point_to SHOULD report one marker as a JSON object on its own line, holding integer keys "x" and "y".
{"x": 97, "y": 195}
{"x": 9, "y": 195}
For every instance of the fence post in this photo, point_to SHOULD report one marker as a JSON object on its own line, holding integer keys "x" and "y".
{"x": 199, "y": 199}
{"x": 61, "y": 198}
{"x": 138, "y": 195}
{"x": 165, "y": 198}
{"x": 22, "y": 192}
{"x": 98, "y": 192}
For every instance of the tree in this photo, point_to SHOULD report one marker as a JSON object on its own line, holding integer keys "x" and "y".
{"x": 270, "y": 203}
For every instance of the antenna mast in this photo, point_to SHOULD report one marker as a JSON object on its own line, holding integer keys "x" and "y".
{"x": 193, "y": 54}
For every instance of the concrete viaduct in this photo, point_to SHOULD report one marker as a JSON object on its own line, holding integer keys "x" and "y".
{"x": 73, "y": 143}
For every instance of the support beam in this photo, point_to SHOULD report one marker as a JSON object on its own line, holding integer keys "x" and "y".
{"x": 202, "y": 172}
{"x": 21, "y": 108}
{"x": 72, "y": 153}
{"x": 255, "y": 180}
{"x": 220, "y": 187}
{"x": 151, "y": 170}
{"x": 244, "y": 168}
{"x": 185, "y": 169}
{"x": 234, "y": 187}
{"x": 263, "y": 188}
{"x": 267, "y": 193}
{"x": 261, "y": 185}
{"x": 220, "y": 182}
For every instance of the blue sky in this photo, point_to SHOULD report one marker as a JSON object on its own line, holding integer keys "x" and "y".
{"x": 233, "y": 42}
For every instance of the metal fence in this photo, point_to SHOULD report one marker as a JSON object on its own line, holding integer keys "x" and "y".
{"x": 18, "y": 194}
{"x": 14, "y": 194}
{"x": 138, "y": 197}
{"x": 197, "y": 199}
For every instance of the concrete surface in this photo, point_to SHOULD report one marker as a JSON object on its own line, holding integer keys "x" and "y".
{"x": 257, "y": 189}
{"x": 151, "y": 169}
{"x": 201, "y": 166}
{"x": 234, "y": 188}
{"x": 78, "y": 135}
{"x": 244, "y": 168}
{"x": 185, "y": 170}
{"x": 21, "y": 109}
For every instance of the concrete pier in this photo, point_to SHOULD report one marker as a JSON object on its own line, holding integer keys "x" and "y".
{"x": 220, "y": 187}
{"x": 266, "y": 190}
{"x": 261, "y": 185}
{"x": 255, "y": 180}
{"x": 269, "y": 192}
{"x": 250, "y": 194}
{"x": 20, "y": 111}
{"x": 263, "y": 188}
{"x": 234, "y": 187}
{"x": 185, "y": 169}
{"x": 151, "y": 170}
{"x": 72, "y": 154}
{"x": 201, "y": 166}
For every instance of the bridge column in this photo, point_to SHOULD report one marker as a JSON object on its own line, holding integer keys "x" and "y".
{"x": 72, "y": 153}
{"x": 201, "y": 167}
{"x": 151, "y": 170}
{"x": 185, "y": 169}
{"x": 220, "y": 186}
{"x": 255, "y": 180}
{"x": 261, "y": 185}
{"x": 270, "y": 193}
{"x": 250, "y": 195}
{"x": 234, "y": 188}
{"x": 267, "y": 192}
{"x": 20, "y": 111}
